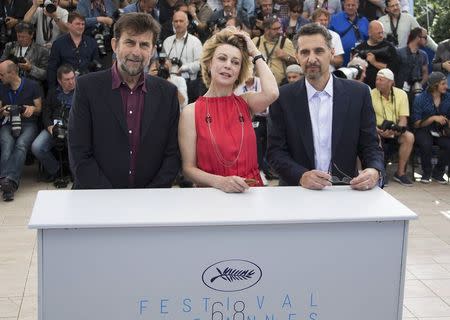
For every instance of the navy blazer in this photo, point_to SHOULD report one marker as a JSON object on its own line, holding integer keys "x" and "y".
{"x": 99, "y": 151}
{"x": 290, "y": 146}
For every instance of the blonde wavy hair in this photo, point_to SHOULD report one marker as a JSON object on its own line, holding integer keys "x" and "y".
{"x": 225, "y": 36}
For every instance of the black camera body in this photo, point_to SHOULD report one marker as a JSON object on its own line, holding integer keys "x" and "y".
{"x": 49, "y": 6}
{"x": 392, "y": 39}
{"x": 391, "y": 125}
{"x": 176, "y": 62}
{"x": 16, "y": 121}
{"x": 440, "y": 130}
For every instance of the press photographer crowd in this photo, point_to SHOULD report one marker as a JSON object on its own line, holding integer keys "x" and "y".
{"x": 220, "y": 93}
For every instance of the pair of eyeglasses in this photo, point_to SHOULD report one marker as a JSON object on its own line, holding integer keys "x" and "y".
{"x": 335, "y": 180}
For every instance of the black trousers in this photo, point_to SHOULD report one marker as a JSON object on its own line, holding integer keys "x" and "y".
{"x": 425, "y": 142}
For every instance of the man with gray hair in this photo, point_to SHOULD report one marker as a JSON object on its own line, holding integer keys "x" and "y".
{"x": 321, "y": 124}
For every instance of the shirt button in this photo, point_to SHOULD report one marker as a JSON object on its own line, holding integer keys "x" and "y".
{"x": 131, "y": 92}
{"x": 130, "y": 132}
{"x": 131, "y": 112}
{"x": 129, "y": 172}
{"x": 131, "y": 152}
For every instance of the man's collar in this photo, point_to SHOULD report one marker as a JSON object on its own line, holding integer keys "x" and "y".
{"x": 183, "y": 37}
{"x": 117, "y": 79}
{"x": 311, "y": 91}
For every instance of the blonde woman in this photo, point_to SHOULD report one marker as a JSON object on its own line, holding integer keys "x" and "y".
{"x": 217, "y": 140}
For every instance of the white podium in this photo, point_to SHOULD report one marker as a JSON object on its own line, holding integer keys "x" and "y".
{"x": 281, "y": 253}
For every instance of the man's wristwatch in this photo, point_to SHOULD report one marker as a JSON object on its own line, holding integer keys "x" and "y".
{"x": 258, "y": 56}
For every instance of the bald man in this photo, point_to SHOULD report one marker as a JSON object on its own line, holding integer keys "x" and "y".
{"x": 183, "y": 53}
{"x": 15, "y": 141}
{"x": 378, "y": 53}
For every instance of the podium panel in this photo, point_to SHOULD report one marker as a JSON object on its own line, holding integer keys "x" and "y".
{"x": 233, "y": 270}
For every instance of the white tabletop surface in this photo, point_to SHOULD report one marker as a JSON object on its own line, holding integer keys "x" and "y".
{"x": 206, "y": 206}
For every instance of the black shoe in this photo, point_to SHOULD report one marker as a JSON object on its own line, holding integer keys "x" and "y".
{"x": 8, "y": 196}
{"x": 8, "y": 185}
{"x": 439, "y": 178}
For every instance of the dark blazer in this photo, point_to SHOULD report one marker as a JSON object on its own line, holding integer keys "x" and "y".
{"x": 98, "y": 135}
{"x": 290, "y": 148}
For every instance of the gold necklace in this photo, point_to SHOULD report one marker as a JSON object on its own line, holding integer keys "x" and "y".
{"x": 220, "y": 157}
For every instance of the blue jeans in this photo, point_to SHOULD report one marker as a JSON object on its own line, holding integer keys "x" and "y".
{"x": 14, "y": 150}
{"x": 42, "y": 150}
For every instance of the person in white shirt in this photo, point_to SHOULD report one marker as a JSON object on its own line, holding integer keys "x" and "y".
{"x": 183, "y": 53}
{"x": 49, "y": 25}
{"x": 397, "y": 25}
{"x": 322, "y": 16}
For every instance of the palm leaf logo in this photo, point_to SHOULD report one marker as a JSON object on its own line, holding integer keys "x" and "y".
{"x": 231, "y": 275}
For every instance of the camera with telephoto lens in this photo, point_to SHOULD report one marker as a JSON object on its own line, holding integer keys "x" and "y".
{"x": 163, "y": 72}
{"x": 59, "y": 130}
{"x": 14, "y": 117}
{"x": 49, "y": 6}
{"x": 351, "y": 73}
{"x": 102, "y": 36}
{"x": 380, "y": 52}
{"x": 391, "y": 125}
{"x": 416, "y": 87}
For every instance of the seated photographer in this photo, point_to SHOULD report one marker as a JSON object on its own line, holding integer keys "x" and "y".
{"x": 392, "y": 110}
{"x": 183, "y": 53}
{"x": 31, "y": 57}
{"x": 74, "y": 48}
{"x": 20, "y": 105}
{"x": 50, "y": 20}
{"x": 431, "y": 114}
{"x": 378, "y": 52}
{"x": 413, "y": 63}
{"x": 158, "y": 68}
{"x": 55, "y": 112}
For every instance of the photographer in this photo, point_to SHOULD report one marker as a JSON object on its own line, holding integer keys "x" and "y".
{"x": 413, "y": 63}
{"x": 378, "y": 52}
{"x": 431, "y": 114}
{"x": 74, "y": 48}
{"x": 398, "y": 25}
{"x": 276, "y": 48}
{"x": 146, "y": 6}
{"x": 31, "y": 57}
{"x": 20, "y": 105}
{"x": 392, "y": 112}
{"x": 50, "y": 20}
{"x": 97, "y": 13}
{"x": 55, "y": 112}
{"x": 183, "y": 53}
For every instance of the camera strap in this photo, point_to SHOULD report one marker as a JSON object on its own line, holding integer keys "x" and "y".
{"x": 182, "y": 49}
{"x": 394, "y": 28}
{"x": 394, "y": 112}
{"x": 13, "y": 94}
{"x": 47, "y": 28}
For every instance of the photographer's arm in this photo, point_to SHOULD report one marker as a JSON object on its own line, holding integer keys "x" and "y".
{"x": 34, "y": 109}
{"x": 373, "y": 61}
{"x": 30, "y": 13}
